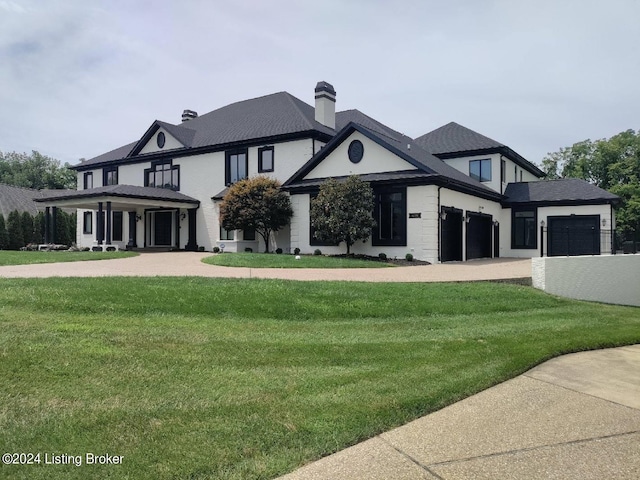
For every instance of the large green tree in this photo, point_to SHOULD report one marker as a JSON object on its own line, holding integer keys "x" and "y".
{"x": 612, "y": 164}
{"x": 343, "y": 211}
{"x": 256, "y": 204}
{"x": 35, "y": 171}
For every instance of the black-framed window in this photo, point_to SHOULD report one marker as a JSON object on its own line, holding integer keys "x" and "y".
{"x": 87, "y": 223}
{"x": 249, "y": 234}
{"x": 163, "y": 174}
{"x": 117, "y": 222}
{"x": 524, "y": 228}
{"x": 109, "y": 176}
{"x": 226, "y": 234}
{"x": 503, "y": 171}
{"x": 480, "y": 169}
{"x": 390, "y": 214}
{"x": 88, "y": 180}
{"x": 236, "y": 166}
{"x": 265, "y": 159}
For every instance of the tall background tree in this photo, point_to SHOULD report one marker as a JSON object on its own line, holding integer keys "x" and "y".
{"x": 4, "y": 236}
{"x": 343, "y": 211}
{"x": 14, "y": 229}
{"x": 35, "y": 171}
{"x": 256, "y": 204}
{"x": 612, "y": 164}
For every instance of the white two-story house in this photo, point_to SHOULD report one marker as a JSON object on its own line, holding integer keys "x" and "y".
{"x": 451, "y": 194}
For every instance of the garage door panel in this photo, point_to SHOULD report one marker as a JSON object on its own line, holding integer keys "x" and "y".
{"x": 573, "y": 235}
{"x": 451, "y": 240}
{"x": 479, "y": 236}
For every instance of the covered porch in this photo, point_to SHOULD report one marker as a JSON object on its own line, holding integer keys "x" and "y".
{"x": 126, "y": 217}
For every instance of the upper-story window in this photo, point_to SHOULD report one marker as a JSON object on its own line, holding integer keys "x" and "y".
{"x": 236, "y": 166}
{"x": 265, "y": 159}
{"x": 109, "y": 176}
{"x": 480, "y": 169}
{"x": 88, "y": 180}
{"x": 163, "y": 174}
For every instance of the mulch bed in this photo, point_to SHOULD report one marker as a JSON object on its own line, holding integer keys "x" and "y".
{"x": 401, "y": 262}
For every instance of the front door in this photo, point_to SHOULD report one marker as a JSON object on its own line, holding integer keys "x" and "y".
{"x": 162, "y": 227}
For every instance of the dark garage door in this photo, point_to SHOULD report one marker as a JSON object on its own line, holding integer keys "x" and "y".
{"x": 573, "y": 235}
{"x": 451, "y": 239}
{"x": 479, "y": 236}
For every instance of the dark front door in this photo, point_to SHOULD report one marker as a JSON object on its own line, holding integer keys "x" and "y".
{"x": 573, "y": 235}
{"x": 479, "y": 236}
{"x": 451, "y": 238}
{"x": 162, "y": 229}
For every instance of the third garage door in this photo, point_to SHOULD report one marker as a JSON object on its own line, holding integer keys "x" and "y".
{"x": 479, "y": 235}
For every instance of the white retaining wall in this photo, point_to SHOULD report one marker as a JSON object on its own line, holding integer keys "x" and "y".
{"x": 601, "y": 278}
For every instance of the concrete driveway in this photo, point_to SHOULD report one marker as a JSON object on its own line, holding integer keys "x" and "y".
{"x": 174, "y": 264}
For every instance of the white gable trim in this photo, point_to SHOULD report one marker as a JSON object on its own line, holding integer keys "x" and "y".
{"x": 376, "y": 159}
{"x": 170, "y": 142}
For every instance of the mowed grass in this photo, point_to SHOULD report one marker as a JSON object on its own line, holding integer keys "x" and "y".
{"x": 193, "y": 378}
{"x": 272, "y": 260}
{"x": 8, "y": 257}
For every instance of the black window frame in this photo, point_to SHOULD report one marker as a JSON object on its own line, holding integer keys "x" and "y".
{"x": 105, "y": 176}
{"x": 503, "y": 171}
{"x": 480, "y": 177}
{"x": 520, "y": 222}
{"x": 376, "y": 238}
{"x": 227, "y": 164}
{"x": 249, "y": 234}
{"x": 228, "y": 236}
{"x": 154, "y": 169}
{"x": 87, "y": 223}
{"x": 261, "y": 151}
{"x": 85, "y": 182}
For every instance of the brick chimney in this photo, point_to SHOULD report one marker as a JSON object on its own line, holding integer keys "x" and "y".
{"x": 326, "y": 104}
{"x": 189, "y": 115}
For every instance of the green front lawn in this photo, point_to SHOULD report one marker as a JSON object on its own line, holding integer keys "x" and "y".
{"x": 8, "y": 257}
{"x": 272, "y": 260}
{"x": 244, "y": 379}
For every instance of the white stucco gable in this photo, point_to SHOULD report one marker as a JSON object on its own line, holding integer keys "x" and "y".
{"x": 153, "y": 144}
{"x": 375, "y": 159}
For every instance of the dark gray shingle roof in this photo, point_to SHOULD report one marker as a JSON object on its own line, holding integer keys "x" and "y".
{"x": 272, "y": 115}
{"x": 396, "y": 143}
{"x": 131, "y": 191}
{"x": 567, "y": 190}
{"x": 17, "y": 198}
{"x": 453, "y": 137}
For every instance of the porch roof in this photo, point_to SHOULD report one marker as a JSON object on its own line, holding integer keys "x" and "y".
{"x": 121, "y": 196}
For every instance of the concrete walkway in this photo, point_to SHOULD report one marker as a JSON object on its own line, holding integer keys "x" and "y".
{"x": 189, "y": 264}
{"x": 573, "y": 417}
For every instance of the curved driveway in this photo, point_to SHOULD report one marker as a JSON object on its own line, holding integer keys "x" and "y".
{"x": 178, "y": 264}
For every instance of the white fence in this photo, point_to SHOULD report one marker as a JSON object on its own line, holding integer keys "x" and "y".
{"x": 600, "y": 278}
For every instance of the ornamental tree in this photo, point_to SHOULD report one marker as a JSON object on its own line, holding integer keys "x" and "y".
{"x": 342, "y": 211}
{"x": 258, "y": 204}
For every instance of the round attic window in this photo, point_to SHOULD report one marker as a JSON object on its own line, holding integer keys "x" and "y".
{"x": 160, "y": 139}
{"x": 356, "y": 151}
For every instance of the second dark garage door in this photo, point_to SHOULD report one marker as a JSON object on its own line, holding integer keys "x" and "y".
{"x": 479, "y": 236}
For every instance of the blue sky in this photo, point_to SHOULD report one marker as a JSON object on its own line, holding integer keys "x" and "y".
{"x": 79, "y": 77}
